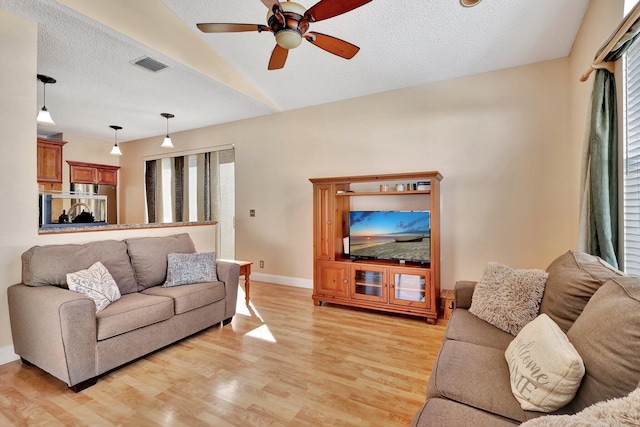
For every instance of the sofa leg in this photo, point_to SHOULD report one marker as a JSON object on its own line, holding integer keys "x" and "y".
{"x": 25, "y": 362}
{"x": 84, "y": 384}
{"x": 227, "y": 321}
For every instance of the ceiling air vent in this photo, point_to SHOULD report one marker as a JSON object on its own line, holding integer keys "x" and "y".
{"x": 149, "y": 64}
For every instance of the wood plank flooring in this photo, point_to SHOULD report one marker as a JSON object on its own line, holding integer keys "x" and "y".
{"x": 281, "y": 362}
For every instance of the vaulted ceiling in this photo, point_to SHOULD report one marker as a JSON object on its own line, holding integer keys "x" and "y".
{"x": 89, "y": 47}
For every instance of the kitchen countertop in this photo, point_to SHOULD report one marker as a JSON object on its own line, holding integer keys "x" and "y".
{"x": 108, "y": 227}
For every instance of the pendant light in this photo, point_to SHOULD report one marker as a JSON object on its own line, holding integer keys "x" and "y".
{"x": 44, "y": 117}
{"x": 115, "y": 151}
{"x": 469, "y": 3}
{"x": 167, "y": 139}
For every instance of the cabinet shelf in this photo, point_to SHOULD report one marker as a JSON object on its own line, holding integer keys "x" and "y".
{"x": 382, "y": 193}
{"x": 387, "y": 285}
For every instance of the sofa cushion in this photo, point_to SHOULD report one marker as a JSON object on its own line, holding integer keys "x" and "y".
{"x": 132, "y": 311}
{"x": 441, "y": 412}
{"x": 607, "y": 337}
{"x": 96, "y": 283}
{"x": 190, "y": 297}
{"x": 573, "y": 278}
{"x": 149, "y": 257}
{"x": 545, "y": 368}
{"x": 477, "y": 376}
{"x": 49, "y": 265}
{"x": 185, "y": 269}
{"x": 508, "y": 298}
{"x": 464, "y": 326}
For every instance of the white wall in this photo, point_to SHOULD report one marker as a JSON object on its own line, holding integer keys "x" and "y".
{"x": 500, "y": 139}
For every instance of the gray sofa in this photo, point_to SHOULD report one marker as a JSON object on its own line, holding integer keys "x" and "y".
{"x": 596, "y": 306}
{"x": 59, "y": 331}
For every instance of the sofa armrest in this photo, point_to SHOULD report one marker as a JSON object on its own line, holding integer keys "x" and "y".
{"x": 54, "y": 329}
{"x": 229, "y": 273}
{"x": 463, "y": 293}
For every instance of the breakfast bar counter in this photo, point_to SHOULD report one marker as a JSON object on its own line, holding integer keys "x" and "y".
{"x": 77, "y": 228}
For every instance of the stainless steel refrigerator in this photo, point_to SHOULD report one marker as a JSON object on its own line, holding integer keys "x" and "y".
{"x": 106, "y": 190}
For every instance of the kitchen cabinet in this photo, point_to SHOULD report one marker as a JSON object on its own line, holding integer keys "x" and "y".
{"x": 50, "y": 161}
{"x": 92, "y": 173}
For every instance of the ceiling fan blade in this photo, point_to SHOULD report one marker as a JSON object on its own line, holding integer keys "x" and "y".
{"x": 332, "y": 45}
{"x": 231, "y": 28}
{"x": 271, "y": 3}
{"x": 278, "y": 58}
{"x": 325, "y": 9}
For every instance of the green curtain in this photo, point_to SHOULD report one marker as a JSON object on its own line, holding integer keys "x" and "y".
{"x": 602, "y": 171}
{"x": 598, "y": 233}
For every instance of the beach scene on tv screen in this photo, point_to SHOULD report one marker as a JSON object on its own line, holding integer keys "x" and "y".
{"x": 402, "y": 235}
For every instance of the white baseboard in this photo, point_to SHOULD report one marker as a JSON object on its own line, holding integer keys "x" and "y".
{"x": 7, "y": 355}
{"x": 282, "y": 280}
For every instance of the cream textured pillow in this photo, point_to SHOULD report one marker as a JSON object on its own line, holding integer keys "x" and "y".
{"x": 186, "y": 269}
{"x": 508, "y": 298}
{"x": 545, "y": 369}
{"x": 97, "y": 283}
{"x": 621, "y": 412}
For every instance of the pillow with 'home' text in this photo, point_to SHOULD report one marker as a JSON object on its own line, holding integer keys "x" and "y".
{"x": 545, "y": 369}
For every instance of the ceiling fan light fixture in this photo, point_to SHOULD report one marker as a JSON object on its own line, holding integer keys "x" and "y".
{"x": 44, "y": 116}
{"x": 115, "y": 151}
{"x": 167, "y": 143}
{"x": 469, "y": 3}
{"x": 289, "y": 6}
{"x": 288, "y": 39}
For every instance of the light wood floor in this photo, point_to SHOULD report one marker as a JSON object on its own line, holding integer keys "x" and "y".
{"x": 281, "y": 362}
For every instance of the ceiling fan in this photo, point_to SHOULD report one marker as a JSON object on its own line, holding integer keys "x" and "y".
{"x": 289, "y": 22}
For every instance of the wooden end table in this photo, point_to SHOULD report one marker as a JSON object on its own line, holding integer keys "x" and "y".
{"x": 245, "y": 270}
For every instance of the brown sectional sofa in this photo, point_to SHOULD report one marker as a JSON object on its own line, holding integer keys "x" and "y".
{"x": 596, "y": 306}
{"x": 59, "y": 331}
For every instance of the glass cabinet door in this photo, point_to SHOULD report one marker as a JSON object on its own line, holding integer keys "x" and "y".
{"x": 410, "y": 287}
{"x": 369, "y": 282}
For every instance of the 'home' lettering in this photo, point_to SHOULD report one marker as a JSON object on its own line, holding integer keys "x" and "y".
{"x": 528, "y": 381}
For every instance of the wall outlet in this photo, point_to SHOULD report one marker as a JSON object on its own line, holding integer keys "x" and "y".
{"x": 261, "y": 264}
{"x": 252, "y": 212}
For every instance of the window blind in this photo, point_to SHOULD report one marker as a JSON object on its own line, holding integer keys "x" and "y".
{"x": 631, "y": 161}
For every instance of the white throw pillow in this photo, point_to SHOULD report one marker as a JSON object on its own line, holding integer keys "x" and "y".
{"x": 97, "y": 283}
{"x": 186, "y": 269}
{"x": 507, "y": 298}
{"x": 545, "y": 369}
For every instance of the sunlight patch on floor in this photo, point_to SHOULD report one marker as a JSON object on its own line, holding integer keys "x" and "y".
{"x": 246, "y": 310}
{"x": 262, "y": 333}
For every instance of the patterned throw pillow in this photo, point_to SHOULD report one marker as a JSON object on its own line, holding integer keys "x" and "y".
{"x": 97, "y": 283}
{"x": 186, "y": 269}
{"x": 507, "y": 298}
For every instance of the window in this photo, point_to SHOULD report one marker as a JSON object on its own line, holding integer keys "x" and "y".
{"x": 631, "y": 161}
{"x": 194, "y": 186}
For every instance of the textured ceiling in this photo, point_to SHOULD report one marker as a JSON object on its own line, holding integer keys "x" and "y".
{"x": 217, "y": 78}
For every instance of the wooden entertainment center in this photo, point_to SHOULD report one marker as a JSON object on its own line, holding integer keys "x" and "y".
{"x": 390, "y": 285}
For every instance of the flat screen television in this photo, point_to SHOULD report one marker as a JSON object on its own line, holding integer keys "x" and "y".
{"x": 393, "y": 235}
